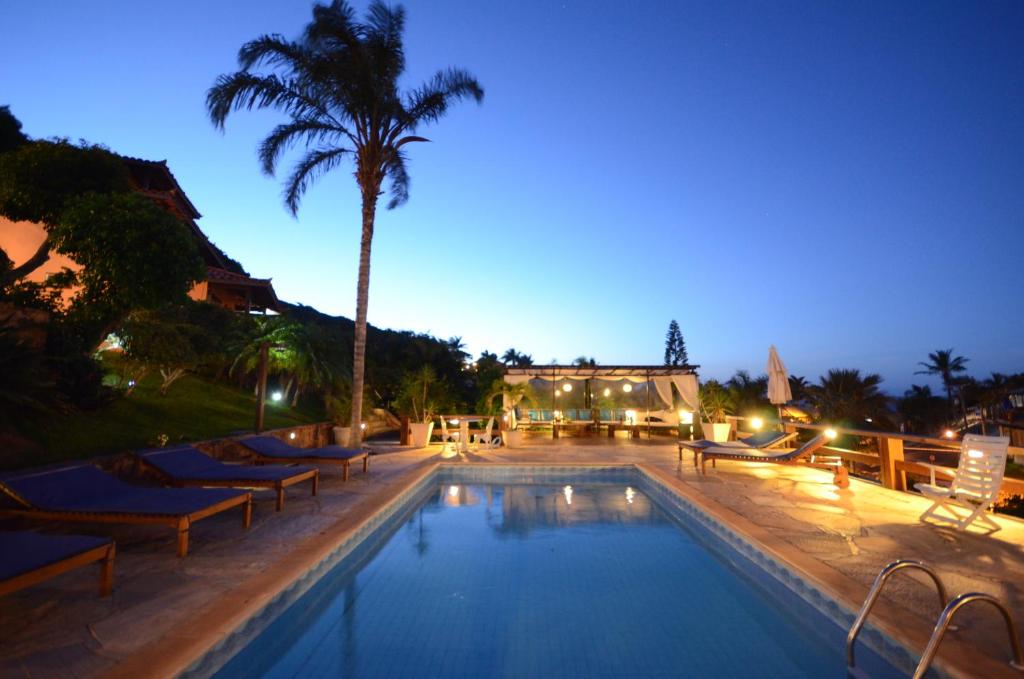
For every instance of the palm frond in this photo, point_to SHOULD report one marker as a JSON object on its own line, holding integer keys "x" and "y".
{"x": 243, "y": 90}
{"x": 314, "y": 164}
{"x": 284, "y": 136}
{"x": 430, "y": 101}
{"x": 273, "y": 50}
{"x": 399, "y": 176}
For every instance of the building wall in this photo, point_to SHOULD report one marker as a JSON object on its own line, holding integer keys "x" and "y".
{"x": 20, "y": 240}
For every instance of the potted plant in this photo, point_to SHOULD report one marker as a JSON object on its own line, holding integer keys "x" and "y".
{"x": 511, "y": 435}
{"x": 715, "y": 405}
{"x": 338, "y": 403}
{"x": 414, "y": 400}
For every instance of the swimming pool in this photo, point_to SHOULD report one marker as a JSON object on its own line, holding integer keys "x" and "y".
{"x": 504, "y": 571}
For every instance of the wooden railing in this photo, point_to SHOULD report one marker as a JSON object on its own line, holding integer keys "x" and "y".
{"x": 890, "y": 452}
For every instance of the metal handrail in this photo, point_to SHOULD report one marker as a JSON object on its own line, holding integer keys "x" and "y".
{"x": 876, "y": 589}
{"x": 955, "y": 604}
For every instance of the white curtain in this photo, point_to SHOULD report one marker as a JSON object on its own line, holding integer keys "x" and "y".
{"x": 687, "y": 386}
{"x": 663, "y": 385}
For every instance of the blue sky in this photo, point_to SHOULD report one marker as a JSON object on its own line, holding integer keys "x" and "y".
{"x": 844, "y": 180}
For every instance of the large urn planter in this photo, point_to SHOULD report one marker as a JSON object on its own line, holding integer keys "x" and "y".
{"x": 717, "y": 432}
{"x": 341, "y": 435}
{"x": 512, "y": 438}
{"x": 419, "y": 433}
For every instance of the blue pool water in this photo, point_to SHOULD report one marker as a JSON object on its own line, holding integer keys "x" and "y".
{"x": 556, "y": 579}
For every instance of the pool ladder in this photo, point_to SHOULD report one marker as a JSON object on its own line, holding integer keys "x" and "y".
{"x": 949, "y": 609}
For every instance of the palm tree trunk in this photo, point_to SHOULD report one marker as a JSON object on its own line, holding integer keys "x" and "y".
{"x": 362, "y": 295}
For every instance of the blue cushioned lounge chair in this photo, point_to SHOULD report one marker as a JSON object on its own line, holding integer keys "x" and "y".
{"x": 270, "y": 449}
{"x": 764, "y": 439}
{"x": 88, "y": 494}
{"x": 28, "y": 558}
{"x": 188, "y": 466}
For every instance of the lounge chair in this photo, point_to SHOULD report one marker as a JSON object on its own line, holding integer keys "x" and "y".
{"x": 187, "y": 466}
{"x": 28, "y": 558}
{"x": 487, "y": 437}
{"x": 449, "y": 437}
{"x": 270, "y": 449}
{"x": 764, "y": 439}
{"x": 87, "y": 494}
{"x": 805, "y": 454}
{"x": 975, "y": 483}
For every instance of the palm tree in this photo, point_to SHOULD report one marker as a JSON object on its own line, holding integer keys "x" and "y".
{"x": 749, "y": 395}
{"x": 515, "y": 359}
{"x": 944, "y": 364}
{"x": 584, "y": 362}
{"x": 338, "y": 85}
{"x": 846, "y": 395}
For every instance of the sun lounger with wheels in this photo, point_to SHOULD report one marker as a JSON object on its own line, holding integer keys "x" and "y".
{"x": 28, "y": 558}
{"x": 270, "y": 449}
{"x": 804, "y": 455}
{"x": 87, "y": 494}
{"x": 188, "y": 466}
{"x": 764, "y": 439}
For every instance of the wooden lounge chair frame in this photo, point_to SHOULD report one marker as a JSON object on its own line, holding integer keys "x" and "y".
{"x": 700, "y": 444}
{"x": 260, "y": 458}
{"x": 277, "y": 485}
{"x": 804, "y": 455}
{"x": 104, "y": 554}
{"x": 181, "y": 523}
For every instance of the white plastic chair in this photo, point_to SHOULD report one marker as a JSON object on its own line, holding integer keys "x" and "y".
{"x": 487, "y": 437}
{"x": 449, "y": 437}
{"x": 975, "y": 484}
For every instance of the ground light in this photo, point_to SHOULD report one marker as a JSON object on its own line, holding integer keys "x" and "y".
{"x": 949, "y": 434}
{"x": 276, "y": 396}
{"x": 830, "y": 433}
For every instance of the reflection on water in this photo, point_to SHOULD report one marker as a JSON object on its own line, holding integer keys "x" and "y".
{"x": 520, "y": 509}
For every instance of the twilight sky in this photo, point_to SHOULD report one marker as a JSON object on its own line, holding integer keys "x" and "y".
{"x": 844, "y": 180}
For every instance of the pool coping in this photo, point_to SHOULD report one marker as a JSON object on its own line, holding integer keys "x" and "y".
{"x": 182, "y": 648}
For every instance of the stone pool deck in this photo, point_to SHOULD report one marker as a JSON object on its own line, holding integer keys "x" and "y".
{"x": 163, "y": 607}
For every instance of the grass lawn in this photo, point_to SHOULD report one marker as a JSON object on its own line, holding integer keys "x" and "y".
{"x": 193, "y": 409}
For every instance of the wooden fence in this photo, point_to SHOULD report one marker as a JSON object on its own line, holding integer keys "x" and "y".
{"x": 890, "y": 450}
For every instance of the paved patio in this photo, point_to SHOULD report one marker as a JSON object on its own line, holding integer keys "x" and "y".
{"x": 843, "y": 537}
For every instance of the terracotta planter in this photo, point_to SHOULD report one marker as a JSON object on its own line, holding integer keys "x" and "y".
{"x": 419, "y": 434}
{"x": 513, "y": 438}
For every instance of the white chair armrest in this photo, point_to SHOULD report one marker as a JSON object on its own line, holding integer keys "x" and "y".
{"x": 932, "y": 468}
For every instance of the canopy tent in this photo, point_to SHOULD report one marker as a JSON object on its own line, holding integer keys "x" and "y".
{"x": 661, "y": 376}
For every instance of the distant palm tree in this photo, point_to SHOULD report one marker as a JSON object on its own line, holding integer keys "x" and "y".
{"x": 846, "y": 395}
{"x": 943, "y": 363}
{"x": 585, "y": 362}
{"x": 515, "y": 359}
{"x": 338, "y": 84}
{"x": 748, "y": 395}
{"x": 798, "y": 387}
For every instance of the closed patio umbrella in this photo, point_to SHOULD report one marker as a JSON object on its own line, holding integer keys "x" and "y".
{"x": 779, "y": 392}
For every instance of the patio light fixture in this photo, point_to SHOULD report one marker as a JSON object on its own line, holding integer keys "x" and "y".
{"x": 756, "y": 423}
{"x": 607, "y": 392}
{"x": 276, "y": 396}
{"x": 830, "y": 433}
{"x": 292, "y": 436}
{"x": 567, "y": 387}
{"x": 627, "y": 387}
{"x": 685, "y": 417}
{"x": 949, "y": 434}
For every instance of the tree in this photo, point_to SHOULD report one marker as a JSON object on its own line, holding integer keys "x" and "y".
{"x": 844, "y": 395}
{"x": 27, "y": 390}
{"x": 749, "y": 395}
{"x": 133, "y": 254}
{"x": 515, "y": 359}
{"x": 11, "y": 136}
{"x": 798, "y": 387}
{"x": 922, "y": 411}
{"x": 584, "y": 362}
{"x": 675, "y": 346}
{"x": 943, "y": 363}
{"x": 338, "y": 85}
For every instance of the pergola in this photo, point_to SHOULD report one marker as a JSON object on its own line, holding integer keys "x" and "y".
{"x": 684, "y": 377}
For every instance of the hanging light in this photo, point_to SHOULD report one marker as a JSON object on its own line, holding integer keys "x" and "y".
{"x": 607, "y": 391}
{"x": 627, "y": 387}
{"x": 567, "y": 387}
